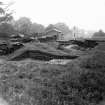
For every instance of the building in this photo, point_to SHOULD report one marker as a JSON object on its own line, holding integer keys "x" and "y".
{"x": 52, "y": 34}
{"x": 68, "y": 36}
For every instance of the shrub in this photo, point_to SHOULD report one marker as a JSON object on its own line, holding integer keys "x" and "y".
{"x": 92, "y": 78}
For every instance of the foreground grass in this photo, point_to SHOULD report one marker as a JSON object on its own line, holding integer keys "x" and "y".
{"x": 28, "y": 83}
{"x": 33, "y": 83}
{"x": 80, "y": 82}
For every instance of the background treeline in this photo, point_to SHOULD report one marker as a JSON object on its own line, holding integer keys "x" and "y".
{"x": 25, "y": 26}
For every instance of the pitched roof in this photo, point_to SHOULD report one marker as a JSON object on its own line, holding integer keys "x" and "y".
{"x": 51, "y": 27}
{"x": 54, "y": 29}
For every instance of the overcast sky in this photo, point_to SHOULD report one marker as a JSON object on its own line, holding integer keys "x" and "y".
{"x": 86, "y": 14}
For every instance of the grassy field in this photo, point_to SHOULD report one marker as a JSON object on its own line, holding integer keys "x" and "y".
{"x": 30, "y": 82}
{"x": 36, "y": 83}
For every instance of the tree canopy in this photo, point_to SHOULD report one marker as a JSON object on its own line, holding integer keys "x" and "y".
{"x": 99, "y": 35}
{"x": 7, "y": 28}
{"x": 5, "y": 14}
{"x": 25, "y": 26}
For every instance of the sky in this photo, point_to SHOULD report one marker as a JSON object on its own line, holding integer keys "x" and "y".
{"x": 85, "y": 14}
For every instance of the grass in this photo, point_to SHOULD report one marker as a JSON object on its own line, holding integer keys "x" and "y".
{"x": 25, "y": 82}
{"x": 31, "y": 82}
{"x": 80, "y": 82}
{"x": 36, "y": 83}
{"x": 40, "y": 48}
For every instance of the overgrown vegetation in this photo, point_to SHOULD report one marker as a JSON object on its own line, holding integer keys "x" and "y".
{"x": 80, "y": 82}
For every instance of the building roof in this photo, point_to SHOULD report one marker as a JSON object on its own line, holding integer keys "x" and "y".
{"x": 47, "y": 33}
{"x": 54, "y": 29}
{"x": 51, "y": 28}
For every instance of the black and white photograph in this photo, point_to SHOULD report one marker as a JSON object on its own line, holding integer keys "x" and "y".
{"x": 52, "y": 52}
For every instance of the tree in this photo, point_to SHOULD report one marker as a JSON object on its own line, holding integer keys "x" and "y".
{"x": 50, "y": 27}
{"x": 99, "y": 35}
{"x": 7, "y": 28}
{"x": 5, "y": 14}
{"x": 37, "y": 28}
{"x": 23, "y": 25}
